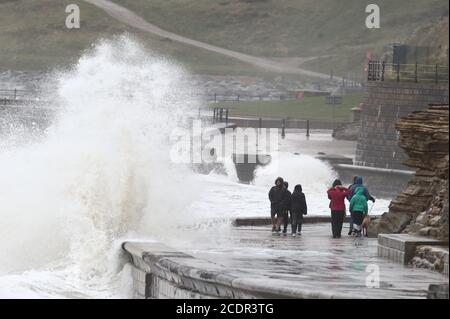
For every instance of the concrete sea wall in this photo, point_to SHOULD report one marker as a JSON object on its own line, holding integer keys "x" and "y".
{"x": 384, "y": 104}
{"x": 160, "y": 272}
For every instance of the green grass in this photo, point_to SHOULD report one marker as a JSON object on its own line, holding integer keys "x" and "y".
{"x": 309, "y": 108}
{"x": 290, "y": 28}
{"x": 34, "y": 37}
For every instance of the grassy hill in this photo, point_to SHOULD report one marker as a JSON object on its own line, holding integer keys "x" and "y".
{"x": 33, "y": 35}
{"x": 291, "y": 28}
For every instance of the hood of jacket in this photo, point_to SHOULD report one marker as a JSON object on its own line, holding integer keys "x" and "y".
{"x": 359, "y": 191}
{"x": 358, "y": 180}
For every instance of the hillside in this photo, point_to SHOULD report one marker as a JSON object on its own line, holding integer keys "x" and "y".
{"x": 293, "y": 28}
{"x": 34, "y": 36}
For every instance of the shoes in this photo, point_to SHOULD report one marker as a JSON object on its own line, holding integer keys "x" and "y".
{"x": 294, "y": 234}
{"x": 299, "y": 233}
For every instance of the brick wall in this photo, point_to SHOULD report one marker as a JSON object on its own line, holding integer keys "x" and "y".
{"x": 384, "y": 104}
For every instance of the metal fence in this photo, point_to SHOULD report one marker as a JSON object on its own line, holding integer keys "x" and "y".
{"x": 423, "y": 73}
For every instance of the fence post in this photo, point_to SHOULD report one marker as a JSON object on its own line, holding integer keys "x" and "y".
{"x": 415, "y": 73}
{"x": 260, "y": 125}
{"x": 215, "y": 97}
{"x": 383, "y": 68}
{"x": 398, "y": 72}
{"x": 15, "y": 94}
{"x": 307, "y": 128}
{"x": 437, "y": 74}
{"x": 283, "y": 128}
{"x": 226, "y": 117}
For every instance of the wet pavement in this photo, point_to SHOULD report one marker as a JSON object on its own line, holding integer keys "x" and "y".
{"x": 314, "y": 262}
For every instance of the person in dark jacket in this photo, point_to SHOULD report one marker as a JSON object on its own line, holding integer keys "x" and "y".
{"x": 277, "y": 195}
{"x": 287, "y": 208}
{"x": 298, "y": 209}
{"x": 337, "y": 194}
{"x": 357, "y": 182}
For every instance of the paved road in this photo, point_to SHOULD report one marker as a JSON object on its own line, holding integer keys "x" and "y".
{"x": 314, "y": 262}
{"x": 132, "y": 19}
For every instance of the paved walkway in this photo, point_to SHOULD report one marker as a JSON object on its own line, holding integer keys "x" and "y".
{"x": 314, "y": 262}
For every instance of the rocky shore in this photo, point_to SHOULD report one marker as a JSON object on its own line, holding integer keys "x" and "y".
{"x": 422, "y": 208}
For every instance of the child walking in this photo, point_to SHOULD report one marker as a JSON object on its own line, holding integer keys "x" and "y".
{"x": 358, "y": 209}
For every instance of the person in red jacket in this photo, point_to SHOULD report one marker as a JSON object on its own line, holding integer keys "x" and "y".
{"x": 337, "y": 195}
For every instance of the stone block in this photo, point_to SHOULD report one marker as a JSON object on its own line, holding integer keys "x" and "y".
{"x": 438, "y": 291}
{"x": 401, "y": 248}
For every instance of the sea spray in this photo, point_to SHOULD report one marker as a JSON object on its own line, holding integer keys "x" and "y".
{"x": 314, "y": 175}
{"x": 102, "y": 170}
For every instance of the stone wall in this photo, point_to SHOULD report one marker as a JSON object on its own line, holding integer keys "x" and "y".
{"x": 422, "y": 208}
{"x": 384, "y": 104}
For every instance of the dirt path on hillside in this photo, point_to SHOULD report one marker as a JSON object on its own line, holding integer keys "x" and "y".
{"x": 130, "y": 18}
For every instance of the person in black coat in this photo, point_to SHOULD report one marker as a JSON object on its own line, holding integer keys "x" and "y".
{"x": 298, "y": 209}
{"x": 287, "y": 208}
{"x": 277, "y": 197}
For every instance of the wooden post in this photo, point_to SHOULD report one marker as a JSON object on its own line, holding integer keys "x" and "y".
{"x": 415, "y": 73}
{"x": 15, "y": 94}
{"x": 215, "y": 97}
{"x": 398, "y": 72}
{"x": 307, "y": 128}
{"x": 283, "y": 128}
{"x": 226, "y": 116}
{"x": 260, "y": 125}
{"x": 437, "y": 74}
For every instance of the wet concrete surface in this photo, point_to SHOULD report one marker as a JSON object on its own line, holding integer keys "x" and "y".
{"x": 314, "y": 262}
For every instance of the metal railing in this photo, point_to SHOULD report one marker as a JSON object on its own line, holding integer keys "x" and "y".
{"x": 418, "y": 73}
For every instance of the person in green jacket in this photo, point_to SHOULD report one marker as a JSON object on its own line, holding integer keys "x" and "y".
{"x": 358, "y": 209}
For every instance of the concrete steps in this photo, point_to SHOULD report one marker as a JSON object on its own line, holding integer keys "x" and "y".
{"x": 401, "y": 248}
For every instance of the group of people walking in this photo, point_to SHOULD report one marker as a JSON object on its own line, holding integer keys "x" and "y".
{"x": 283, "y": 203}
